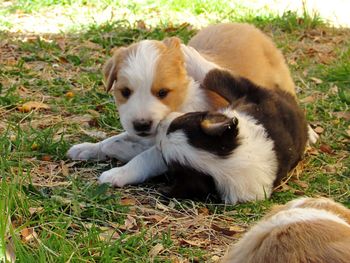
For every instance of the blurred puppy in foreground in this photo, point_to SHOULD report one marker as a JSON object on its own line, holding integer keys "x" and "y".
{"x": 306, "y": 230}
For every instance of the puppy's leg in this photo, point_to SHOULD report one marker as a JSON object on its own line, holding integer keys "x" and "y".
{"x": 196, "y": 65}
{"x": 122, "y": 147}
{"x": 145, "y": 165}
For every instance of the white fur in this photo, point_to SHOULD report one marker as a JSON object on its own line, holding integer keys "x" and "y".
{"x": 196, "y": 65}
{"x": 145, "y": 165}
{"x": 195, "y": 99}
{"x": 122, "y": 147}
{"x": 137, "y": 73}
{"x": 247, "y": 174}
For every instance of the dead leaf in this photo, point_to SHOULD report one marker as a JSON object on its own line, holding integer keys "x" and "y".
{"x": 95, "y": 134}
{"x": 342, "y": 114}
{"x": 155, "y": 250}
{"x": 312, "y": 151}
{"x": 319, "y": 130}
{"x": 129, "y": 223}
{"x": 127, "y": 201}
{"x": 162, "y": 207}
{"x": 192, "y": 243}
{"x": 82, "y": 120}
{"x": 215, "y": 258}
{"x": 46, "y": 158}
{"x": 28, "y": 234}
{"x": 325, "y": 148}
{"x": 316, "y": 80}
{"x": 35, "y": 210}
{"x": 64, "y": 169}
{"x": 70, "y": 94}
{"x": 157, "y": 218}
{"x": 330, "y": 169}
{"x": 10, "y": 251}
{"x": 109, "y": 234}
{"x": 203, "y": 211}
{"x": 61, "y": 43}
{"x": 308, "y": 99}
{"x": 141, "y": 24}
{"x": 302, "y": 184}
{"x": 91, "y": 45}
{"x": 227, "y": 231}
{"x": 334, "y": 90}
{"x": 33, "y": 105}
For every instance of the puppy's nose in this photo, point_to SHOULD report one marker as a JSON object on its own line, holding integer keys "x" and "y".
{"x": 142, "y": 125}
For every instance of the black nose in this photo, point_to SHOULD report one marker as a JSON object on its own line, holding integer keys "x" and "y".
{"x": 142, "y": 125}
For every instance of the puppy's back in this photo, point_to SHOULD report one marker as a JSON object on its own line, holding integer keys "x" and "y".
{"x": 295, "y": 235}
{"x": 246, "y": 51}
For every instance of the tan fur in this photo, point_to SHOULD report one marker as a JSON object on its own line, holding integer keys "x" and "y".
{"x": 312, "y": 241}
{"x": 171, "y": 74}
{"x": 329, "y": 205}
{"x": 246, "y": 51}
{"x": 318, "y": 203}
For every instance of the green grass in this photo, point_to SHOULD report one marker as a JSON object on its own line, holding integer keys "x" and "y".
{"x": 76, "y": 220}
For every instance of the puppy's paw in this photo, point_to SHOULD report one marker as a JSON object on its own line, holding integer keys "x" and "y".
{"x": 86, "y": 151}
{"x": 116, "y": 177}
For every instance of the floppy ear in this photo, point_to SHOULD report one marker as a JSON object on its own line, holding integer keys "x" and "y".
{"x": 172, "y": 42}
{"x": 221, "y": 82}
{"x": 215, "y": 124}
{"x": 111, "y": 67}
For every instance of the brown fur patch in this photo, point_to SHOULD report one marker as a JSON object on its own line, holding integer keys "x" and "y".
{"x": 171, "y": 74}
{"x": 112, "y": 66}
{"x": 111, "y": 69}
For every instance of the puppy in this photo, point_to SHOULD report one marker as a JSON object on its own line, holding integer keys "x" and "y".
{"x": 246, "y": 149}
{"x": 151, "y": 79}
{"x": 306, "y": 230}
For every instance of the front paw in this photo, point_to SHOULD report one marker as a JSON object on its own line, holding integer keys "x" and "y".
{"x": 86, "y": 151}
{"x": 116, "y": 177}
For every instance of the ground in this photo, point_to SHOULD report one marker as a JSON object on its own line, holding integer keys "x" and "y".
{"x": 52, "y": 96}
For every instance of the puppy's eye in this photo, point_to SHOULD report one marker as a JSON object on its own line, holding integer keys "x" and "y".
{"x": 126, "y": 92}
{"x": 162, "y": 93}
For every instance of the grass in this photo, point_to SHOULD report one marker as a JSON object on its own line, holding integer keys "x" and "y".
{"x": 52, "y": 208}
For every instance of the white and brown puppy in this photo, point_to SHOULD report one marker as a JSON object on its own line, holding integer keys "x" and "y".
{"x": 306, "y": 230}
{"x": 151, "y": 79}
{"x": 241, "y": 152}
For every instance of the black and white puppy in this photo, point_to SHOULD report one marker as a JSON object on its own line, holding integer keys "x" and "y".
{"x": 241, "y": 152}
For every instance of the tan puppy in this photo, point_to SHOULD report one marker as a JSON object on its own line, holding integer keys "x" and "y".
{"x": 246, "y": 51}
{"x": 151, "y": 79}
{"x": 313, "y": 230}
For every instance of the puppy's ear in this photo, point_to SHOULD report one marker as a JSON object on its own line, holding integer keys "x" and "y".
{"x": 172, "y": 42}
{"x": 111, "y": 67}
{"x": 216, "y": 124}
{"x": 221, "y": 82}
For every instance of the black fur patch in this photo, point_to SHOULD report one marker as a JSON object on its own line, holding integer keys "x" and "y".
{"x": 276, "y": 110}
{"x": 188, "y": 183}
{"x": 190, "y": 123}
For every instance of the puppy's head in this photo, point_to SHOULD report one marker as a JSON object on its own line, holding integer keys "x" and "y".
{"x": 183, "y": 137}
{"x": 149, "y": 81}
